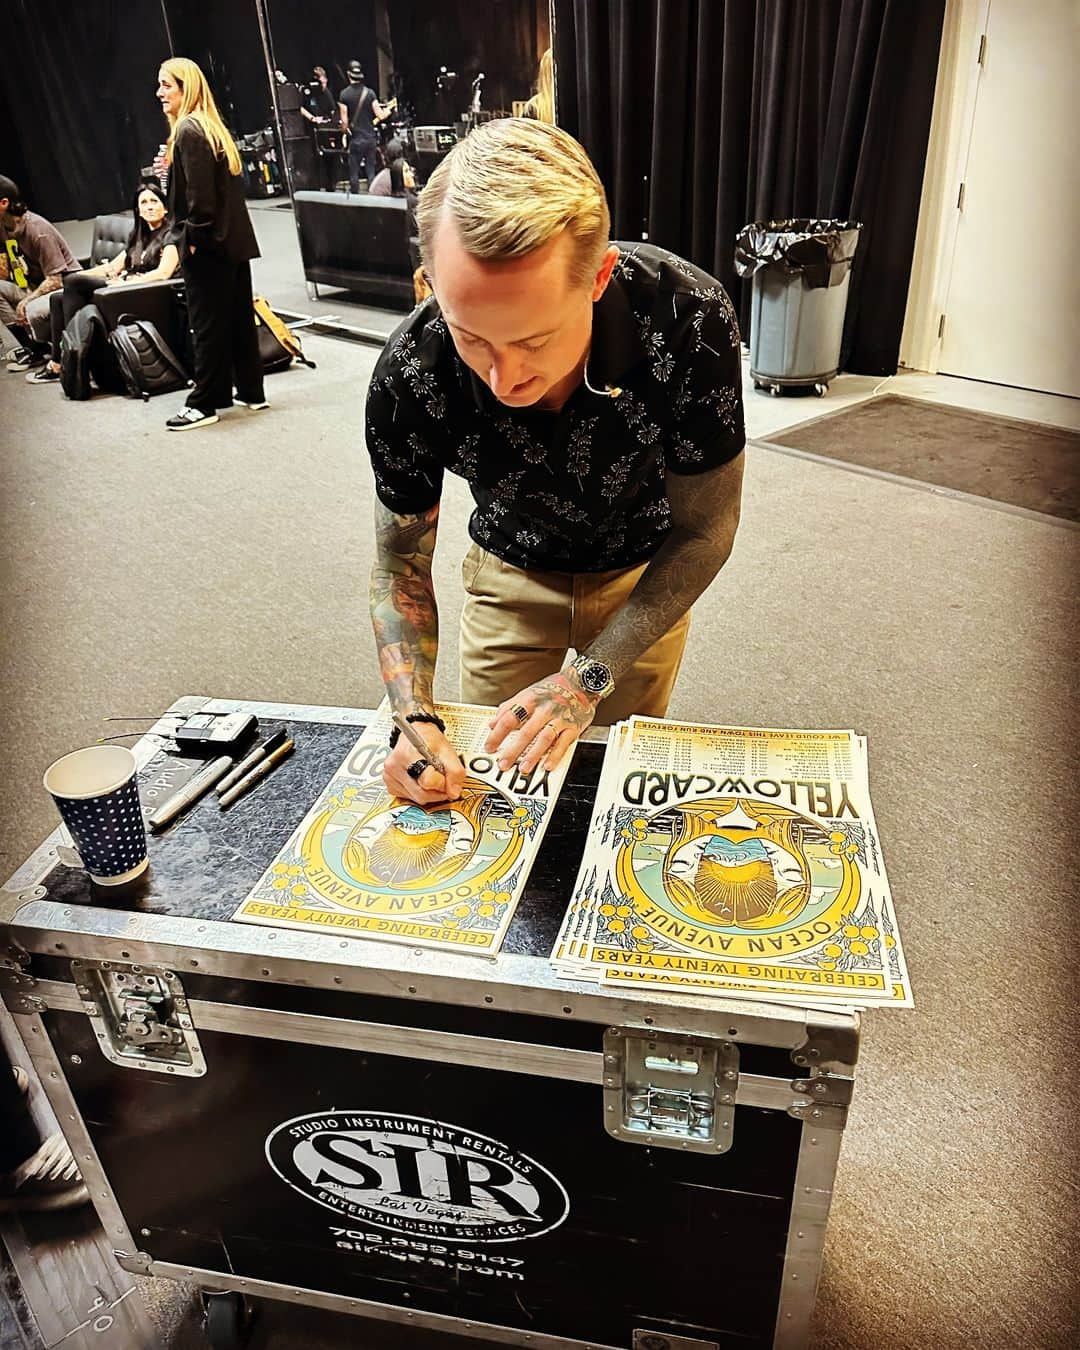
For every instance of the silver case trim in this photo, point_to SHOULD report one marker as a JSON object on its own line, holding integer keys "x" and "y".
{"x": 540, "y": 1061}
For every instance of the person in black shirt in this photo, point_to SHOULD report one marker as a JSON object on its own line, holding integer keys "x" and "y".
{"x": 213, "y": 233}
{"x": 319, "y": 108}
{"x": 319, "y": 105}
{"x": 359, "y": 110}
{"x": 589, "y": 392}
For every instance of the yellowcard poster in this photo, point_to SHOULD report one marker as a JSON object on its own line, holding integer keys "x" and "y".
{"x": 736, "y": 859}
{"x": 449, "y": 876}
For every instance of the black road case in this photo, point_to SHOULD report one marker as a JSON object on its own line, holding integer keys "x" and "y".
{"x": 460, "y": 1144}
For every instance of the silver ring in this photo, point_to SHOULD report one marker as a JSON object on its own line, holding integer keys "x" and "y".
{"x": 522, "y": 714}
{"x": 416, "y": 769}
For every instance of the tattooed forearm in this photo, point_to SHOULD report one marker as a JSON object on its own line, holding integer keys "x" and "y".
{"x": 53, "y": 283}
{"x": 705, "y": 514}
{"x": 404, "y": 614}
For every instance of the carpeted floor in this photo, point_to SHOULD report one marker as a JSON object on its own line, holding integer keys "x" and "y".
{"x": 1020, "y": 463}
{"x": 139, "y": 565}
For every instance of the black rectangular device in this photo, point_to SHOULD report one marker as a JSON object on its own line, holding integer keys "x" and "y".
{"x": 215, "y": 733}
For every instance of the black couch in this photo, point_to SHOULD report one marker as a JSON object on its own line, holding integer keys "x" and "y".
{"x": 357, "y": 243}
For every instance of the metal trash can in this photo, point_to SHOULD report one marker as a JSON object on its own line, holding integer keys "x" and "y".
{"x": 801, "y": 270}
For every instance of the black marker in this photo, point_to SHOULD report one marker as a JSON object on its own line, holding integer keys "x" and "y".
{"x": 256, "y": 757}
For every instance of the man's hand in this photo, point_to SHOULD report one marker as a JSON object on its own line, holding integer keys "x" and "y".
{"x": 431, "y": 786}
{"x": 557, "y": 710}
{"x": 20, "y": 313}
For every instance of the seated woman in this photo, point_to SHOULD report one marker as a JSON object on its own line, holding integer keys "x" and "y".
{"x": 397, "y": 179}
{"x": 146, "y": 258}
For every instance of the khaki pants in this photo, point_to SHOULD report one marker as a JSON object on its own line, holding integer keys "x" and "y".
{"x": 517, "y": 626}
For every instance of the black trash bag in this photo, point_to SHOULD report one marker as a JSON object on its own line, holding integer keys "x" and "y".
{"x": 820, "y": 250}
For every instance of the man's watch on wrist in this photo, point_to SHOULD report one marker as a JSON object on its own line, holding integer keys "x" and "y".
{"x": 593, "y": 676}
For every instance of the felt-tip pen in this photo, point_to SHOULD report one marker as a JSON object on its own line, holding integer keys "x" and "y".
{"x": 258, "y": 773}
{"x": 256, "y": 757}
{"x": 192, "y": 790}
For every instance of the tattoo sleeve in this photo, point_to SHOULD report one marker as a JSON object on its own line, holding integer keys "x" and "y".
{"x": 705, "y": 516}
{"x": 52, "y": 283}
{"x": 403, "y": 610}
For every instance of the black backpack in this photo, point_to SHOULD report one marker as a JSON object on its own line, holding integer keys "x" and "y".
{"x": 85, "y": 353}
{"x": 147, "y": 362}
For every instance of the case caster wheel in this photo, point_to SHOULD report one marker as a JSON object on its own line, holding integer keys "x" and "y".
{"x": 821, "y": 390}
{"x": 774, "y": 389}
{"x": 226, "y": 1322}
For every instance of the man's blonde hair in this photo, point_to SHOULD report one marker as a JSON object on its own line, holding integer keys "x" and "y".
{"x": 197, "y": 105}
{"x": 511, "y": 186}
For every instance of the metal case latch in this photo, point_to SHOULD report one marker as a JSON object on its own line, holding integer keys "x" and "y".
{"x": 670, "y": 1091}
{"x": 140, "y": 1016}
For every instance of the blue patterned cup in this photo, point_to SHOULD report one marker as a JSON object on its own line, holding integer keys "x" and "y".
{"x": 97, "y": 794}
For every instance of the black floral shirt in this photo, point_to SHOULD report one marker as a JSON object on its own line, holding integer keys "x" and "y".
{"x": 581, "y": 490}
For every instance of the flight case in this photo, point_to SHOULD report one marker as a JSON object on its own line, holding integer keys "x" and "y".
{"x": 461, "y": 1144}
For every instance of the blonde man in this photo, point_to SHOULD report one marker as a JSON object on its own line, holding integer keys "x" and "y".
{"x": 589, "y": 392}
{"x": 212, "y": 231}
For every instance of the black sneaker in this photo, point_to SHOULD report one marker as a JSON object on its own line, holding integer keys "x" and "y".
{"x": 43, "y": 375}
{"x": 22, "y": 358}
{"x": 187, "y": 419}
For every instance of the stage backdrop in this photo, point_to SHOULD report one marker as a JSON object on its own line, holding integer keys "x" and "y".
{"x": 78, "y": 113}
{"x": 703, "y": 115}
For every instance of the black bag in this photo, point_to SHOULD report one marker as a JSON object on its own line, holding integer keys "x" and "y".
{"x": 278, "y": 344}
{"x": 147, "y": 362}
{"x": 271, "y": 352}
{"x": 85, "y": 353}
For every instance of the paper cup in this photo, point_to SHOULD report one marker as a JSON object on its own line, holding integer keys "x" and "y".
{"x": 97, "y": 795}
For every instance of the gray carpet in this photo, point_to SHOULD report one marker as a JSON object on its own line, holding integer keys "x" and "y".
{"x": 1022, "y": 464}
{"x": 233, "y": 561}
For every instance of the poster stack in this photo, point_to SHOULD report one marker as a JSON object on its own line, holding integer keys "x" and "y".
{"x": 737, "y": 861}
{"x": 366, "y": 863}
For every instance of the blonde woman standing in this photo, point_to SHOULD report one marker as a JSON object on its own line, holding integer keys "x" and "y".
{"x": 213, "y": 233}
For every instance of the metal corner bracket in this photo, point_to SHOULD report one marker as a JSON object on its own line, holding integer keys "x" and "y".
{"x": 135, "y": 1263}
{"x": 833, "y": 1049}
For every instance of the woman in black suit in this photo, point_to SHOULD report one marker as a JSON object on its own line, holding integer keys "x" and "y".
{"x": 212, "y": 230}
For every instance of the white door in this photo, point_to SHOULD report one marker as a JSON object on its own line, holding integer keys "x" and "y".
{"x": 1012, "y": 315}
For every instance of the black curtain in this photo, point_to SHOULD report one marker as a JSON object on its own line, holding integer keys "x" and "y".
{"x": 502, "y": 38}
{"x": 703, "y": 115}
{"x": 77, "y": 107}
{"x": 327, "y": 34}
{"x": 78, "y": 112}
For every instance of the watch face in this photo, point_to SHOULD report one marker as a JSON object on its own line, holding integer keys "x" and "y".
{"x": 595, "y": 677}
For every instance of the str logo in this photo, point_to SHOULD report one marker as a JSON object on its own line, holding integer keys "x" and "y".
{"x": 422, "y": 1177}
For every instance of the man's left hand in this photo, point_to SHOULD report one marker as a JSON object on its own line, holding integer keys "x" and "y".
{"x": 20, "y": 312}
{"x": 539, "y": 725}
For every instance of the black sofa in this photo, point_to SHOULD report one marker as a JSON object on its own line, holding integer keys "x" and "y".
{"x": 357, "y": 243}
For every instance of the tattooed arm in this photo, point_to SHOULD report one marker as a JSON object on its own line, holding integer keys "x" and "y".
{"x": 405, "y": 618}
{"x": 705, "y": 516}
